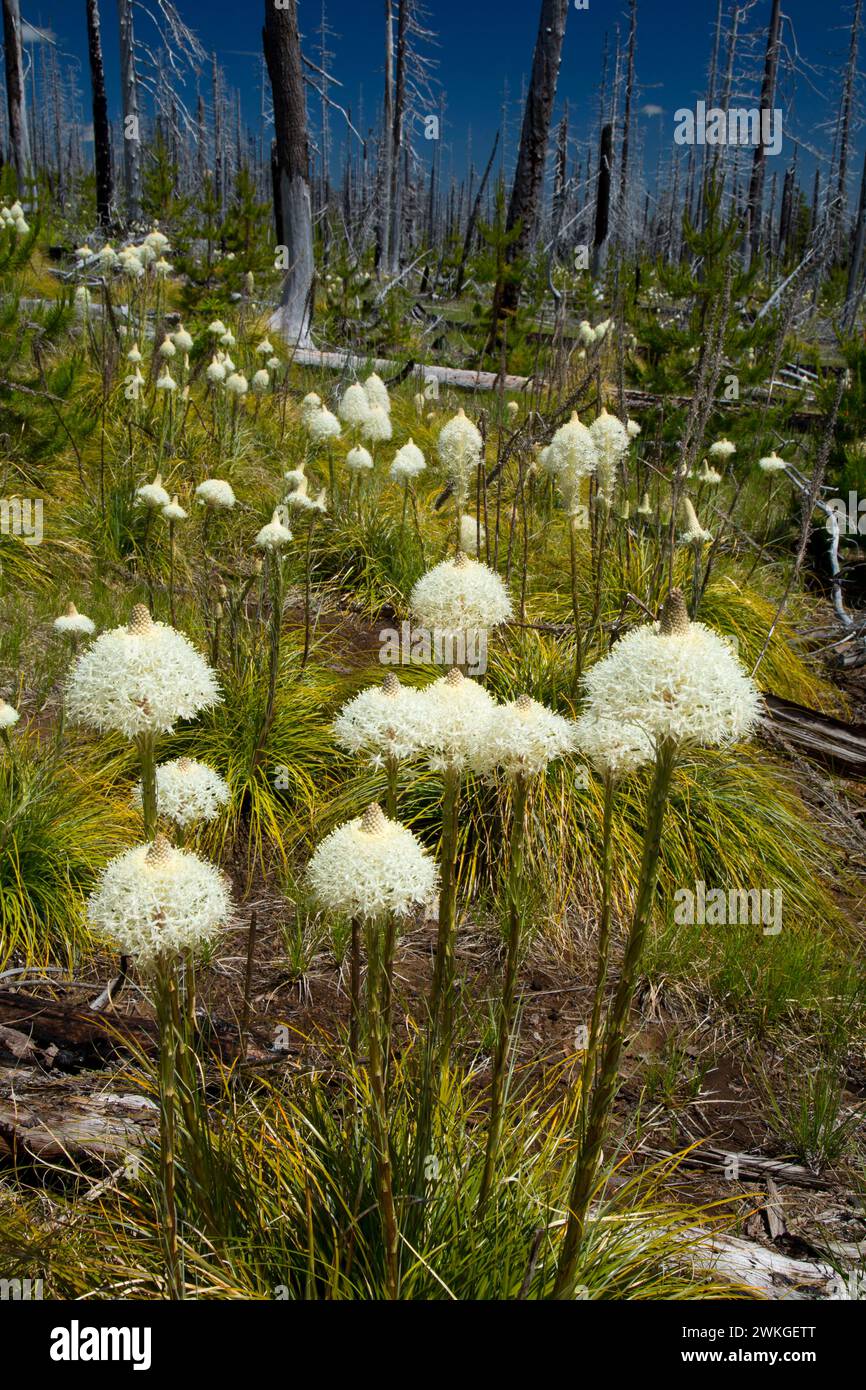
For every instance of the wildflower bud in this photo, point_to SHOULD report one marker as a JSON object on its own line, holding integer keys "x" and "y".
{"x": 674, "y": 615}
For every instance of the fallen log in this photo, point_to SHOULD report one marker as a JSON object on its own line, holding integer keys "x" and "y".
{"x": 61, "y": 1120}
{"x": 770, "y": 1273}
{"x": 446, "y": 376}
{"x": 836, "y": 744}
{"x": 742, "y": 1166}
{"x": 95, "y": 1037}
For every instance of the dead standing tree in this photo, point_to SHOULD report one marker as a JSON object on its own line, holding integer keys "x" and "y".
{"x": 101, "y": 126}
{"x": 768, "y": 94}
{"x": 526, "y": 190}
{"x": 19, "y": 138}
{"x": 131, "y": 115}
{"x": 291, "y": 173}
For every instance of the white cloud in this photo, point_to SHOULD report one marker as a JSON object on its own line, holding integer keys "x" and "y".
{"x": 651, "y": 110}
{"x": 30, "y": 34}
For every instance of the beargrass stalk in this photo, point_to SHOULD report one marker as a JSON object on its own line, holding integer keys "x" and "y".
{"x": 507, "y": 1001}
{"x": 604, "y": 1089}
{"x": 380, "y": 946}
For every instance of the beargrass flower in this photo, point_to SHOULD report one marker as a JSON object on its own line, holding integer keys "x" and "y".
{"x": 722, "y": 449}
{"x": 694, "y": 534}
{"x": 265, "y": 348}
{"x": 359, "y": 459}
{"x": 772, "y": 463}
{"x": 156, "y": 901}
{"x": 8, "y": 715}
{"x": 217, "y": 328}
{"x": 459, "y": 447}
{"x": 377, "y": 426}
{"x": 152, "y": 494}
{"x": 676, "y": 680}
{"x": 372, "y": 868}
{"x": 166, "y": 382}
{"x": 215, "y": 492}
{"x": 408, "y": 463}
{"x": 523, "y": 738}
{"x": 611, "y": 441}
{"x": 187, "y": 792}
{"x": 216, "y": 370}
{"x": 708, "y": 475}
{"x": 471, "y": 534}
{"x": 74, "y": 624}
{"x": 322, "y": 425}
{"x": 260, "y": 382}
{"x": 570, "y": 457}
{"x": 140, "y": 679}
{"x": 174, "y": 511}
{"x": 354, "y": 405}
{"x": 458, "y": 713}
{"x": 384, "y": 721}
{"x": 237, "y": 384}
{"x": 274, "y": 535}
{"x": 460, "y": 595}
{"x": 167, "y": 347}
{"x": 183, "y": 340}
{"x": 377, "y": 393}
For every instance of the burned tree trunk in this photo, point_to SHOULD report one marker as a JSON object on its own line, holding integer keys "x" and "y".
{"x": 845, "y": 135}
{"x": 768, "y": 93}
{"x": 473, "y": 219}
{"x": 293, "y": 213}
{"x": 19, "y": 139}
{"x": 626, "y": 124}
{"x": 602, "y": 200}
{"x": 394, "y": 198}
{"x": 101, "y": 127}
{"x": 532, "y": 155}
{"x": 131, "y": 129}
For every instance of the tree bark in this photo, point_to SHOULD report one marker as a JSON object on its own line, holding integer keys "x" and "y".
{"x": 19, "y": 137}
{"x": 131, "y": 128}
{"x": 385, "y": 173}
{"x": 395, "y": 200}
{"x": 101, "y": 127}
{"x": 602, "y": 200}
{"x": 532, "y": 154}
{"x": 768, "y": 93}
{"x": 293, "y": 213}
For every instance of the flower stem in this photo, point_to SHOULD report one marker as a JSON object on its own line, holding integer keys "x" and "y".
{"x": 147, "y": 762}
{"x": 307, "y": 559}
{"x": 575, "y": 605}
{"x": 379, "y": 946}
{"x": 441, "y": 1000}
{"x": 507, "y": 1002}
{"x": 166, "y": 991}
{"x": 603, "y": 1092}
{"x": 355, "y": 989}
{"x": 603, "y": 937}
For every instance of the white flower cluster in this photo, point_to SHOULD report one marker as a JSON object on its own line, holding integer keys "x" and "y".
{"x": 8, "y": 715}
{"x": 140, "y": 679}
{"x": 187, "y": 791}
{"x": 215, "y": 492}
{"x": 470, "y": 534}
{"x": 377, "y": 393}
{"x": 383, "y": 721}
{"x": 371, "y": 868}
{"x": 676, "y": 680}
{"x": 321, "y": 425}
{"x": 156, "y": 901}
{"x": 152, "y": 494}
{"x": 772, "y": 463}
{"x": 694, "y": 534}
{"x": 458, "y": 714}
{"x": 460, "y": 595}
{"x": 359, "y": 459}
{"x": 523, "y": 738}
{"x": 376, "y": 429}
{"x": 611, "y": 441}
{"x": 459, "y": 447}
{"x": 722, "y": 449}
{"x": 613, "y": 748}
{"x": 13, "y": 218}
{"x": 74, "y": 624}
{"x": 354, "y": 406}
{"x": 408, "y": 463}
{"x": 570, "y": 457}
{"x": 275, "y": 534}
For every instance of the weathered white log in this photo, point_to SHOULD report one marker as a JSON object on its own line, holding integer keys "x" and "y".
{"x": 447, "y": 376}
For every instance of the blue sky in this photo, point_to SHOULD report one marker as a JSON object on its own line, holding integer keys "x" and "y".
{"x": 482, "y": 44}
